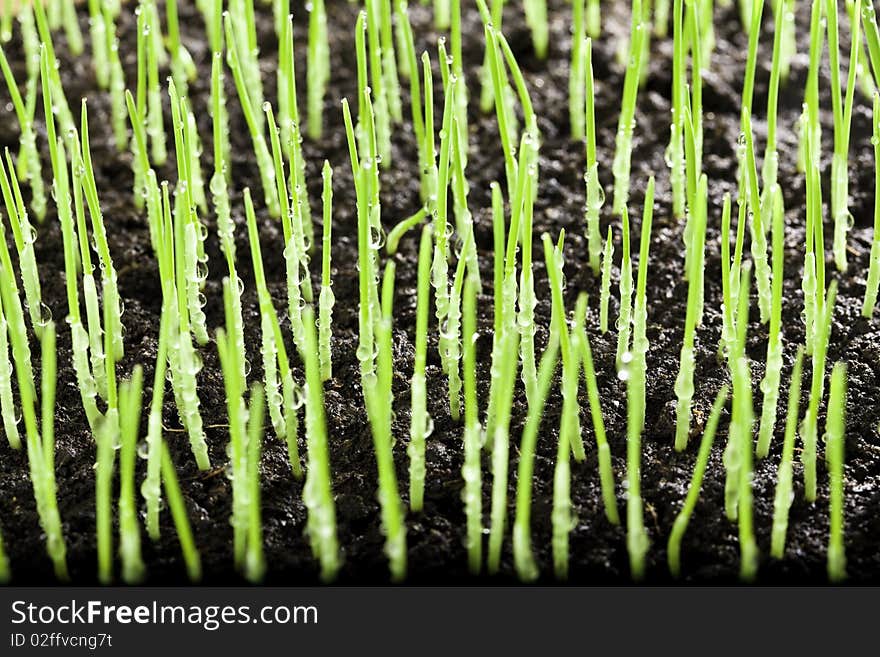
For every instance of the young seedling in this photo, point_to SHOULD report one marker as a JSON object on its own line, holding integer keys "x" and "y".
{"x": 809, "y": 426}
{"x": 29, "y": 159}
{"x": 638, "y": 366}
{"x": 577, "y": 72}
{"x": 118, "y": 110}
{"x": 626, "y": 123}
{"x": 254, "y": 119}
{"x": 151, "y": 487}
{"x": 420, "y": 420}
{"x": 379, "y": 81}
{"x": 873, "y": 280}
{"x": 570, "y": 429}
{"x": 784, "y": 494}
{"x": 679, "y": 82}
{"x": 276, "y": 364}
{"x": 505, "y": 371}
{"x": 379, "y": 401}
{"x": 234, "y": 386}
{"x": 177, "y": 506}
{"x": 742, "y": 419}
{"x": 183, "y": 361}
{"x": 109, "y": 285}
{"x": 536, "y": 19}
{"x": 595, "y": 195}
{"x": 680, "y": 525}
{"x": 730, "y": 271}
{"x": 130, "y": 398}
{"x": 773, "y": 368}
{"x": 606, "y": 472}
{"x": 53, "y": 77}
{"x": 318, "y": 63}
{"x": 733, "y": 457}
{"x": 326, "y": 299}
{"x": 440, "y": 263}
{"x": 471, "y": 470}
{"x": 605, "y": 284}
{"x": 183, "y": 69}
{"x": 625, "y": 286}
{"x": 770, "y": 165}
{"x": 41, "y": 443}
{"x": 318, "y": 491}
{"x": 835, "y": 427}
{"x": 453, "y": 330}
{"x": 23, "y": 234}
{"x": 154, "y": 117}
{"x": 295, "y": 256}
{"x": 82, "y": 342}
{"x": 684, "y": 383}
{"x": 842, "y": 110}
{"x": 190, "y": 248}
{"x": 292, "y": 143}
{"x": 494, "y": 18}
{"x": 7, "y": 403}
{"x": 758, "y": 234}
{"x": 254, "y": 562}
{"x": 637, "y": 541}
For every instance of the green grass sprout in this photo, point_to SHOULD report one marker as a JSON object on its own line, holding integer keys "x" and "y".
{"x": 784, "y": 494}
{"x": 471, "y": 470}
{"x": 773, "y": 368}
{"x": 326, "y": 299}
{"x": 255, "y": 563}
{"x": 318, "y": 62}
{"x": 595, "y": 195}
{"x": 809, "y": 426}
{"x": 570, "y": 428}
{"x": 872, "y": 284}
{"x": 842, "y": 109}
{"x": 606, "y": 471}
{"x": 638, "y": 366}
{"x": 605, "y": 284}
{"x": 239, "y": 435}
{"x": 420, "y": 420}
{"x": 625, "y": 286}
{"x": 254, "y": 118}
{"x": 536, "y": 19}
{"x": 626, "y": 122}
{"x": 23, "y": 234}
{"x": 577, "y": 71}
{"x": 130, "y": 391}
{"x": 684, "y": 383}
{"x": 742, "y": 419}
{"x": 505, "y": 372}
{"x": 679, "y": 526}
{"x": 177, "y": 506}
{"x": 835, "y": 428}
{"x": 379, "y": 401}
{"x": 318, "y": 492}
{"x": 275, "y": 360}
{"x": 29, "y": 159}
{"x": 733, "y": 457}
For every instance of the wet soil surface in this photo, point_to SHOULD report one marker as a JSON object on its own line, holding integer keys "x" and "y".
{"x": 435, "y": 537}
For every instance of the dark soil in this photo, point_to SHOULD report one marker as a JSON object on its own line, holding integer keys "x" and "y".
{"x": 435, "y": 537}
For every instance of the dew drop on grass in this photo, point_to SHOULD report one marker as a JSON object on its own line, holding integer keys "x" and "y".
{"x": 45, "y": 314}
